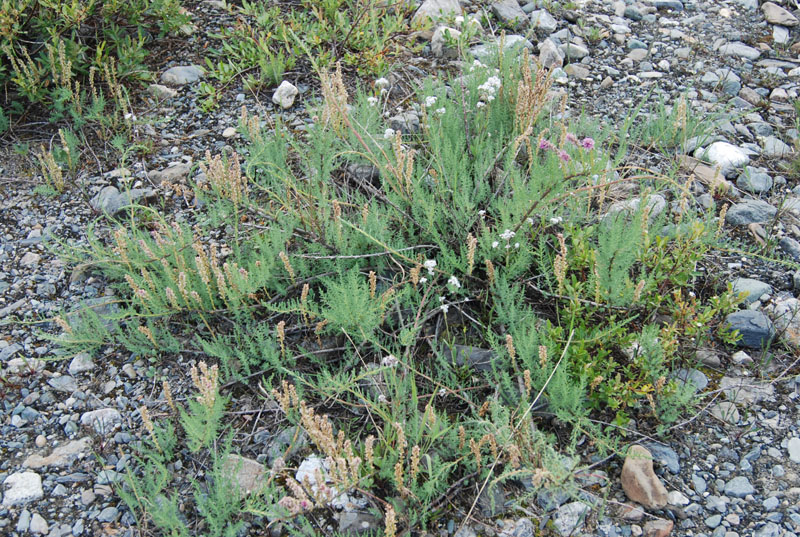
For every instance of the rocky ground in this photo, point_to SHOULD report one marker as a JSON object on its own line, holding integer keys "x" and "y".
{"x": 732, "y": 469}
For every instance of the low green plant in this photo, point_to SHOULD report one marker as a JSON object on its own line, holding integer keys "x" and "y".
{"x": 359, "y": 268}
{"x": 51, "y": 52}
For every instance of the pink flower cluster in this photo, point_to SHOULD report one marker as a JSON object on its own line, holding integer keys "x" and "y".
{"x": 546, "y": 145}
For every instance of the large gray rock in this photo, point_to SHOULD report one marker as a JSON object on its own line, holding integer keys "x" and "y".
{"x": 434, "y": 10}
{"x": 175, "y": 172}
{"x": 550, "y": 55}
{"x": 510, "y": 13}
{"x": 543, "y": 21}
{"x": 755, "y": 328}
{"x": 775, "y": 147}
{"x": 749, "y": 212}
{"x": 740, "y": 50}
{"x": 511, "y": 43}
{"x": 182, "y": 75}
{"x": 775, "y": 14}
{"x": 753, "y": 288}
{"x": 111, "y": 201}
{"x": 755, "y": 180}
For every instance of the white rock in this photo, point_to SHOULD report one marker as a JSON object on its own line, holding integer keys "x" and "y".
{"x": 229, "y": 132}
{"x": 308, "y": 470}
{"x": 285, "y": 94}
{"x": 434, "y": 10}
{"x": 38, "y": 524}
{"x": 675, "y": 497}
{"x": 22, "y": 487}
{"x": 544, "y": 21}
{"x": 82, "y": 362}
{"x": 440, "y": 40}
{"x": 30, "y": 259}
{"x": 182, "y": 75}
{"x": 725, "y": 155}
{"x": 161, "y": 92}
{"x": 793, "y": 447}
{"x": 102, "y": 420}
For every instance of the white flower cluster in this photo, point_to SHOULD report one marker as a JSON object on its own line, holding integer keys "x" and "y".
{"x": 372, "y": 101}
{"x": 430, "y": 101}
{"x": 490, "y": 87}
{"x": 388, "y": 134}
{"x": 430, "y": 264}
{"x": 476, "y": 65}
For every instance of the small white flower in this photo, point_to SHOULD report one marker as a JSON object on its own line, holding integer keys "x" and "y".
{"x": 530, "y": 220}
{"x": 442, "y": 392}
{"x": 507, "y": 235}
{"x": 382, "y": 83}
{"x": 482, "y": 212}
{"x": 389, "y": 361}
{"x": 480, "y": 104}
{"x": 508, "y": 246}
{"x": 516, "y": 245}
{"x": 382, "y": 399}
{"x": 441, "y": 299}
{"x": 430, "y": 101}
{"x": 423, "y": 279}
{"x": 388, "y": 134}
{"x": 445, "y": 308}
{"x": 441, "y": 111}
{"x": 495, "y": 244}
{"x": 490, "y": 98}
{"x": 372, "y": 101}
{"x": 430, "y": 264}
{"x": 556, "y": 220}
{"x": 454, "y": 282}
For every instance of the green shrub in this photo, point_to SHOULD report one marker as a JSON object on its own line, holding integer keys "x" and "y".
{"x": 356, "y": 266}
{"x": 58, "y": 54}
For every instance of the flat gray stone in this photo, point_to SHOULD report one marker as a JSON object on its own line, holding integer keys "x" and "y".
{"x": 755, "y": 328}
{"x": 182, "y": 75}
{"x": 111, "y": 201}
{"x": 775, "y": 14}
{"x": 749, "y": 212}
{"x": 64, "y": 383}
{"x": 570, "y": 517}
{"x": 739, "y": 487}
{"x": 741, "y": 50}
{"x": 61, "y": 456}
{"x": 726, "y": 411}
{"x": 81, "y": 363}
{"x": 573, "y": 51}
{"x": 775, "y": 147}
{"x": 754, "y": 289}
{"x": 745, "y": 390}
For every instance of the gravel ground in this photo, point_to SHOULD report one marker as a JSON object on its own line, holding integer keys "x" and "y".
{"x": 729, "y": 470}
